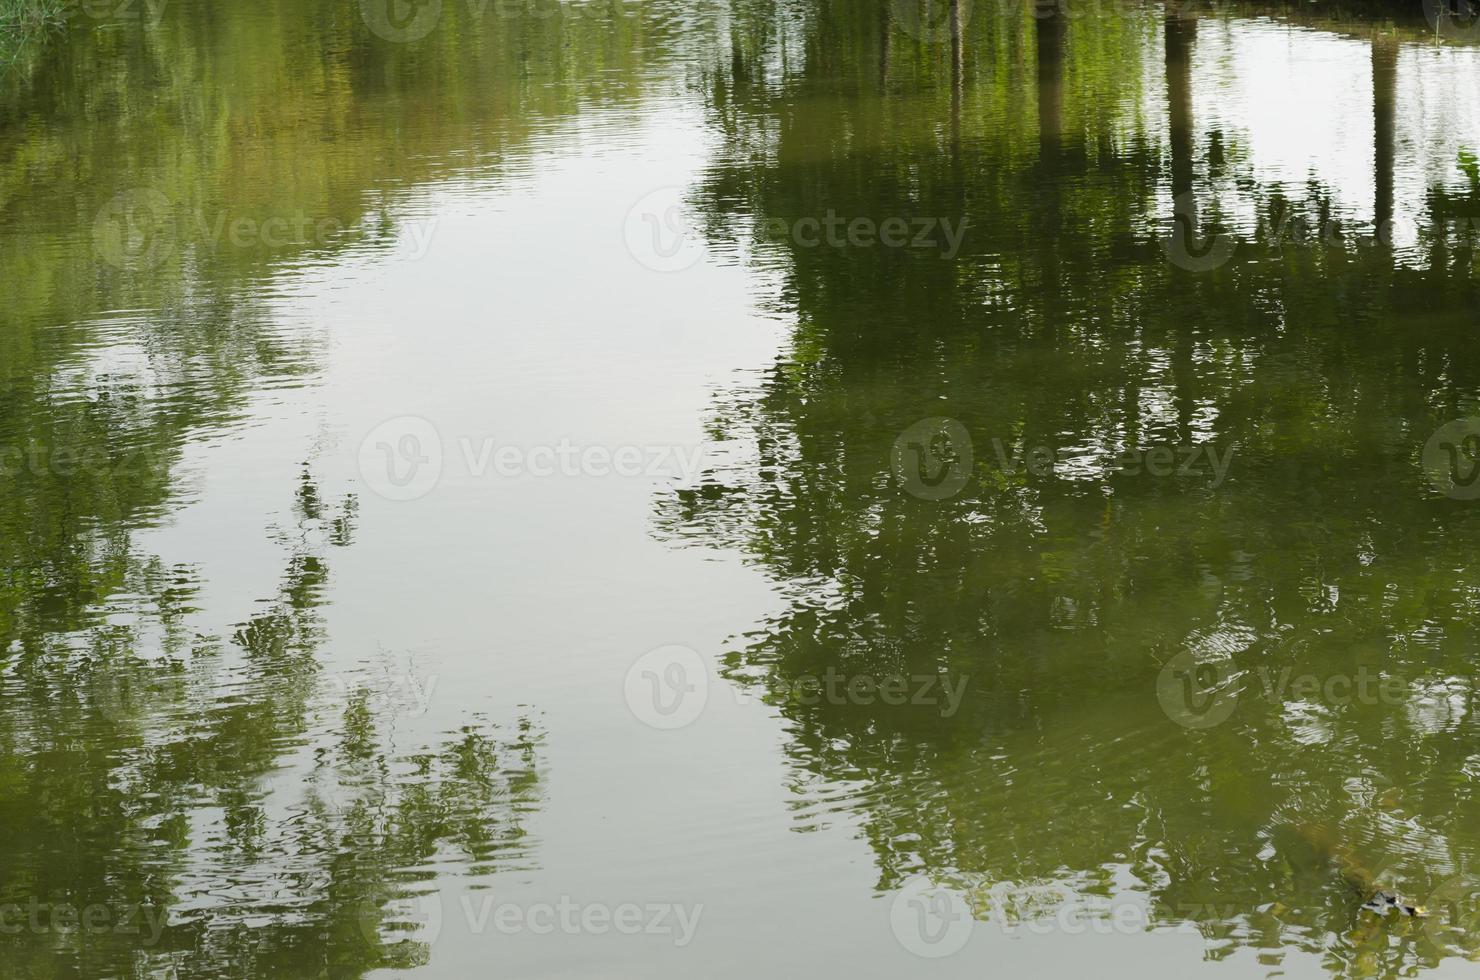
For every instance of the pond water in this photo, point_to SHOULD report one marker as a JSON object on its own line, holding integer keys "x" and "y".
{"x": 681, "y": 489}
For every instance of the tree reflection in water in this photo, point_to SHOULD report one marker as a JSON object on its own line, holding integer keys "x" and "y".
{"x": 175, "y": 802}
{"x": 1068, "y": 323}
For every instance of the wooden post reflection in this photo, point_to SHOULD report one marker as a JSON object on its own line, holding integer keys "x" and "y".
{"x": 1050, "y": 38}
{"x": 1180, "y": 34}
{"x": 1050, "y": 30}
{"x": 1384, "y": 129}
{"x": 886, "y": 44}
{"x": 956, "y": 62}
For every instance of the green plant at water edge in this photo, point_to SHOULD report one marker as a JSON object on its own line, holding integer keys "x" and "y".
{"x": 23, "y": 16}
{"x": 22, "y": 21}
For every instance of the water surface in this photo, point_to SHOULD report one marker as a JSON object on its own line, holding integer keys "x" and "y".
{"x": 841, "y": 492}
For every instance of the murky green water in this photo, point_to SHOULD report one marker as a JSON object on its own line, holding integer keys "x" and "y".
{"x": 684, "y": 489}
